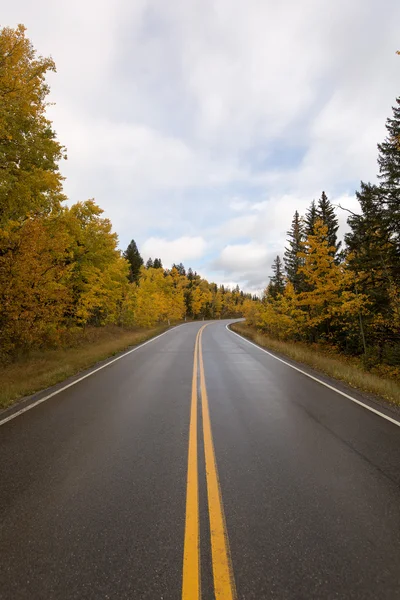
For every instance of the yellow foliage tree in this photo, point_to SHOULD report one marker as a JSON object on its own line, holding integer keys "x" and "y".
{"x": 30, "y": 182}
{"x": 34, "y": 283}
{"x": 201, "y": 298}
{"x": 329, "y": 300}
{"x": 104, "y": 293}
{"x": 98, "y": 269}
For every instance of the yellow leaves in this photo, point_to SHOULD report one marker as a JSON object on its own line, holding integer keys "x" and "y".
{"x": 59, "y": 271}
{"x": 159, "y": 298}
{"x": 201, "y": 297}
{"x": 328, "y": 300}
{"x": 103, "y": 291}
{"x": 34, "y": 278}
{"x": 252, "y": 312}
{"x": 29, "y": 177}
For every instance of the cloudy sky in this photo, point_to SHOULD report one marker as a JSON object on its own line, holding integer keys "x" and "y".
{"x": 200, "y": 126}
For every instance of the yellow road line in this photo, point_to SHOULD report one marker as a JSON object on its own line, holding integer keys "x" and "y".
{"x": 191, "y": 586}
{"x": 224, "y": 584}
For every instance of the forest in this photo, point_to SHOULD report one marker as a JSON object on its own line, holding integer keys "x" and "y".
{"x": 61, "y": 269}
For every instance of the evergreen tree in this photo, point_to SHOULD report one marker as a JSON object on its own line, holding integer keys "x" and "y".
{"x": 268, "y": 293}
{"x": 157, "y": 264}
{"x": 291, "y": 258}
{"x": 372, "y": 256}
{"x": 389, "y": 169}
{"x": 326, "y": 213}
{"x": 277, "y": 279}
{"x": 150, "y": 264}
{"x": 135, "y": 261}
{"x": 310, "y": 219}
{"x": 180, "y": 268}
{"x": 369, "y": 236}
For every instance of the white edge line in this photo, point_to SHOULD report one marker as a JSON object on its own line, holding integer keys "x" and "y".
{"x": 26, "y": 408}
{"x": 377, "y": 412}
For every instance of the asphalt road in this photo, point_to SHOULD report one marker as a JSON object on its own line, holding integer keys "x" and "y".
{"x": 224, "y": 469}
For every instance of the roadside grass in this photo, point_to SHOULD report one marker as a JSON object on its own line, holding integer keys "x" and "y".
{"x": 333, "y": 364}
{"x": 41, "y": 369}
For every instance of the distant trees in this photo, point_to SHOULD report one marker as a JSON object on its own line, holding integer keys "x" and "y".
{"x": 180, "y": 268}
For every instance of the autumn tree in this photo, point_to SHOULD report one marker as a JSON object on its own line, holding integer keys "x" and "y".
{"x": 35, "y": 290}
{"x": 331, "y": 302}
{"x": 201, "y": 299}
{"x": 94, "y": 257}
{"x": 30, "y": 181}
{"x": 159, "y": 298}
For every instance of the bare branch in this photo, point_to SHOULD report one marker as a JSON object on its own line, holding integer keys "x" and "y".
{"x": 348, "y": 210}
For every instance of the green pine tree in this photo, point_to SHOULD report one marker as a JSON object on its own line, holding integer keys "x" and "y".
{"x": 277, "y": 285}
{"x": 372, "y": 256}
{"x": 291, "y": 258}
{"x": 180, "y": 268}
{"x": 389, "y": 174}
{"x": 326, "y": 212}
{"x": 132, "y": 255}
{"x": 310, "y": 219}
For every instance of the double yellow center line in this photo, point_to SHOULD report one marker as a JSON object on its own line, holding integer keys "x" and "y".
{"x": 224, "y": 585}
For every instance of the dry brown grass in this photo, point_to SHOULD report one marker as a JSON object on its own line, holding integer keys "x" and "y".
{"x": 334, "y": 365}
{"x": 40, "y": 370}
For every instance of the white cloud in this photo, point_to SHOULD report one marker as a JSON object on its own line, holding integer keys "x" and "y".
{"x": 239, "y": 257}
{"x": 246, "y": 264}
{"x": 174, "y": 251}
{"x": 238, "y": 205}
